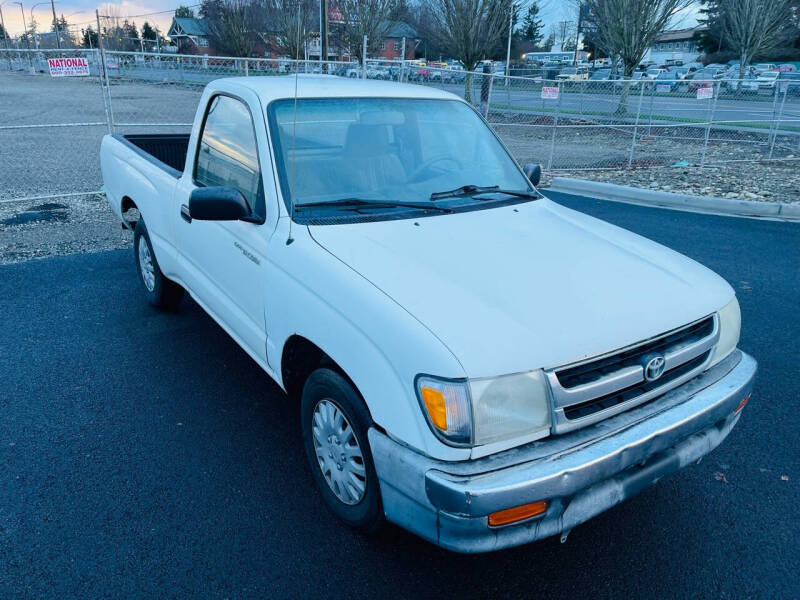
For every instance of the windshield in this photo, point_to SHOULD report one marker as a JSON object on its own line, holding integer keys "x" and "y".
{"x": 388, "y": 149}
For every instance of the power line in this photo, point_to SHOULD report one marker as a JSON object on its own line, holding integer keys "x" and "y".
{"x": 123, "y": 17}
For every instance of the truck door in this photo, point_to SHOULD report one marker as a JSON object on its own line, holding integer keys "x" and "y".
{"x": 224, "y": 261}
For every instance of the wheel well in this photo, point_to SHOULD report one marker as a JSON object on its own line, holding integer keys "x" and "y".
{"x": 130, "y": 212}
{"x": 300, "y": 358}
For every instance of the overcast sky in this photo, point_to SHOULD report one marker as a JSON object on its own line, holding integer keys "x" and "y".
{"x": 81, "y": 12}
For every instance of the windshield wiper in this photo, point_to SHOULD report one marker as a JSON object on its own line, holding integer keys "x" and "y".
{"x": 472, "y": 190}
{"x": 355, "y": 203}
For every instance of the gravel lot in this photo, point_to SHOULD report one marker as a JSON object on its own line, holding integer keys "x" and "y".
{"x": 63, "y": 158}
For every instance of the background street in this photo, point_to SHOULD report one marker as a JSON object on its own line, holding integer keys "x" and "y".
{"x": 145, "y": 454}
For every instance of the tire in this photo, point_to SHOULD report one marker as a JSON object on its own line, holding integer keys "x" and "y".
{"x": 326, "y": 392}
{"x": 160, "y": 291}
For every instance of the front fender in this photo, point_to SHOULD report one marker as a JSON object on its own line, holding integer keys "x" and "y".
{"x": 375, "y": 341}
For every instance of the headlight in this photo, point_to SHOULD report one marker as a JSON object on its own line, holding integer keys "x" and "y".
{"x": 485, "y": 411}
{"x": 730, "y": 324}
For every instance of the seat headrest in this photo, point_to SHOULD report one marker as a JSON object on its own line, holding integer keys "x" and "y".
{"x": 367, "y": 140}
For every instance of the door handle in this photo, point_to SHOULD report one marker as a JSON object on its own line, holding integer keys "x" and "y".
{"x": 185, "y": 213}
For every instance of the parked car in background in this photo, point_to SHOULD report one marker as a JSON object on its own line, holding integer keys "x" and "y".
{"x": 763, "y": 67}
{"x": 789, "y": 83}
{"x": 573, "y": 74}
{"x": 732, "y": 82}
{"x": 670, "y": 79}
{"x": 767, "y": 81}
{"x": 705, "y": 78}
{"x": 600, "y": 74}
{"x": 787, "y": 68}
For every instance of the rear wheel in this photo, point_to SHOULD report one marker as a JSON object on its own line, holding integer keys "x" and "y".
{"x": 160, "y": 291}
{"x": 335, "y": 424}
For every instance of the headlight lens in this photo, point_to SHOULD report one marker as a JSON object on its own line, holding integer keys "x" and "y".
{"x": 485, "y": 411}
{"x": 730, "y": 324}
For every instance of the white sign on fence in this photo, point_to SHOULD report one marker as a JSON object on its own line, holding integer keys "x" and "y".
{"x": 663, "y": 87}
{"x": 549, "y": 93}
{"x": 76, "y": 66}
{"x": 704, "y": 93}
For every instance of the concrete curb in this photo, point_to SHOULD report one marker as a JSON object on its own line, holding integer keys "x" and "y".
{"x": 687, "y": 202}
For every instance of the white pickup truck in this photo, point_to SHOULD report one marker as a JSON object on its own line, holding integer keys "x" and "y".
{"x": 472, "y": 361}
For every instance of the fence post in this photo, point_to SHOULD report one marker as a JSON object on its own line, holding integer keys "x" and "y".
{"x": 712, "y": 111}
{"x": 584, "y": 83}
{"x": 104, "y": 75}
{"x": 650, "y": 116}
{"x": 778, "y": 121}
{"x": 402, "y": 60}
{"x": 636, "y": 125}
{"x": 555, "y": 126}
{"x": 486, "y": 85}
{"x": 364, "y": 59}
{"x": 246, "y": 68}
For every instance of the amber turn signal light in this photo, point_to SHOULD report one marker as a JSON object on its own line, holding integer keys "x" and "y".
{"x": 742, "y": 403}
{"x": 436, "y": 406}
{"x": 518, "y": 513}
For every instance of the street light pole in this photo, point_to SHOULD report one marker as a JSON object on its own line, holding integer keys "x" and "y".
{"x": 508, "y": 49}
{"x": 24, "y": 25}
{"x": 33, "y": 25}
{"x": 55, "y": 24}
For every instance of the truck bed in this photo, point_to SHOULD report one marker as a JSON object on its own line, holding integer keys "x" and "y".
{"x": 166, "y": 150}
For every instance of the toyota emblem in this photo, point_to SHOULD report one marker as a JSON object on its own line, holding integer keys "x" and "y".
{"x": 653, "y": 366}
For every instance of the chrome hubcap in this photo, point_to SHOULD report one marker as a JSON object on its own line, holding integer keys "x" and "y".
{"x": 146, "y": 265}
{"x": 338, "y": 453}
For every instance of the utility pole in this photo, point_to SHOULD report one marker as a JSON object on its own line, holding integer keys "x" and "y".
{"x": 508, "y": 49}
{"x": 577, "y": 34}
{"x": 55, "y": 24}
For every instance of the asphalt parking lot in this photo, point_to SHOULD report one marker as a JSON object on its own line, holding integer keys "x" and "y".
{"x": 143, "y": 454}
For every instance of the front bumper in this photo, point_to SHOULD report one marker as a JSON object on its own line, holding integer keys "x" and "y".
{"x": 582, "y": 473}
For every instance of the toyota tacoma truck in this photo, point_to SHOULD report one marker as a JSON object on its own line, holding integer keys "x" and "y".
{"x": 472, "y": 361}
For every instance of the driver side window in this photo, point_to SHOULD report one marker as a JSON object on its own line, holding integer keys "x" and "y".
{"x": 227, "y": 154}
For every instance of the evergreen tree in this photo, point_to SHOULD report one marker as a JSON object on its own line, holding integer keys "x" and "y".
{"x": 532, "y": 26}
{"x": 184, "y": 11}
{"x": 89, "y": 39}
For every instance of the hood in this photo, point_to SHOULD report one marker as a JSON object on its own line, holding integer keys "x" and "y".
{"x": 528, "y": 285}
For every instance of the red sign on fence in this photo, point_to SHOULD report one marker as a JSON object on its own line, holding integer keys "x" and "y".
{"x": 705, "y": 93}
{"x": 549, "y": 93}
{"x": 74, "y": 66}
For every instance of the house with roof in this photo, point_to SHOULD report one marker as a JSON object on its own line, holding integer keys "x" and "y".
{"x": 190, "y": 35}
{"x": 393, "y": 41}
{"x": 676, "y": 46}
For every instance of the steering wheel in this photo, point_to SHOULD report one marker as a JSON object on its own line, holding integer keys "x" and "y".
{"x": 429, "y": 167}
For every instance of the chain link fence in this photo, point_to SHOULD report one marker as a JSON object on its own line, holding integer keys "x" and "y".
{"x": 52, "y": 126}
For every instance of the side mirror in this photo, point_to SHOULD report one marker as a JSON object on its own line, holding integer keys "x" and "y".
{"x": 533, "y": 172}
{"x": 217, "y": 204}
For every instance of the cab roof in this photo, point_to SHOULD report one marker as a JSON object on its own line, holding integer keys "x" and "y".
{"x": 271, "y": 88}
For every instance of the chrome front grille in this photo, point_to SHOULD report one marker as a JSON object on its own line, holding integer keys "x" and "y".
{"x": 597, "y": 388}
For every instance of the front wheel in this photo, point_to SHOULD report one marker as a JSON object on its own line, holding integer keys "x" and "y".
{"x": 335, "y": 422}
{"x": 160, "y": 291}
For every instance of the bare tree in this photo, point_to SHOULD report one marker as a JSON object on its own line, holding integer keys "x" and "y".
{"x": 470, "y": 29}
{"x": 365, "y": 18}
{"x": 753, "y": 26}
{"x": 233, "y": 25}
{"x": 627, "y": 28}
{"x": 292, "y": 22}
